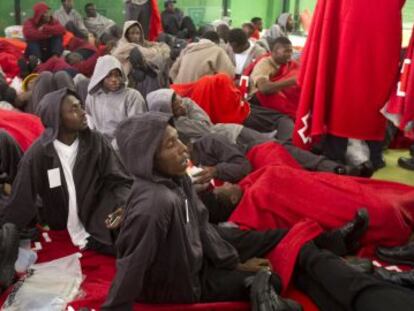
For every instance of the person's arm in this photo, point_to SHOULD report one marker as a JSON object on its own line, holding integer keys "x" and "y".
{"x": 135, "y": 103}
{"x": 20, "y": 208}
{"x": 54, "y": 29}
{"x": 196, "y": 123}
{"x": 175, "y": 68}
{"x": 140, "y": 234}
{"x": 115, "y": 180}
{"x": 267, "y": 87}
{"x": 224, "y": 64}
{"x": 31, "y": 33}
{"x": 232, "y": 164}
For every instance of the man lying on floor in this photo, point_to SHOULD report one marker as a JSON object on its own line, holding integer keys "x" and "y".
{"x": 192, "y": 123}
{"x": 169, "y": 253}
{"x": 75, "y": 173}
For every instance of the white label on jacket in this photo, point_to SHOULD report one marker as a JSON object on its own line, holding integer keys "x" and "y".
{"x": 54, "y": 178}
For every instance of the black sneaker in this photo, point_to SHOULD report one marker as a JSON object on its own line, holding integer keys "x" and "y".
{"x": 9, "y": 246}
{"x": 263, "y": 296}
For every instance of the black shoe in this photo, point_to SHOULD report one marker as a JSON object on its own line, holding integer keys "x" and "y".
{"x": 405, "y": 279}
{"x": 360, "y": 264}
{"x": 366, "y": 169}
{"x": 379, "y": 164}
{"x": 9, "y": 246}
{"x": 345, "y": 240}
{"x": 263, "y": 296}
{"x": 403, "y": 255}
{"x": 348, "y": 170}
{"x": 412, "y": 150}
{"x": 353, "y": 231}
{"x": 407, "y": 163}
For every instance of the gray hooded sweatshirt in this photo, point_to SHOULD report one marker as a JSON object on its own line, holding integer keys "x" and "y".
{"x": 165, "y": 238}
{"x": 105, "y": 110}
{"x": 101, "y": 186}
{"x": 196, "y": 123}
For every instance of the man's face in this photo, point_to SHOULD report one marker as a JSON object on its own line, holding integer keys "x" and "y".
{"x": 170, "y": 6}
{"x": 73, "y": 117}
{"x": 230, "y": 193}
{"x": 113, "y": 80}
{"x": 68, "y": 5}
{"x": 46, "y": 17}
{"x": 171, "y": 158}
{"x": 259, "y": 25}
{"x": 290, "y": 23}
{"x": 248, "y": 31}
{"x": 91, "y": 11}
{"x": 237, "y": 49}
{"x": 134, "y": 34}
{"x": 282, "y": 53}
{"x": 178, "y": 107}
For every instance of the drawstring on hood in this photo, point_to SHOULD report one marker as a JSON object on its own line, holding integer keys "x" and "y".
{"x": 49, "y": 112}
{"x": 160, "y": 100}
{"x": 138, "y": 139}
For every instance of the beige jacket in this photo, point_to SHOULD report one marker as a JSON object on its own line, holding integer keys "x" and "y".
{"x": 201, "y": 59}
{"x": 153, "y": 52}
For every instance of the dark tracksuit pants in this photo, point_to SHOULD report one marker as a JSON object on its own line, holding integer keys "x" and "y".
{"x": 325, "y": 277}
{"x": 229, "y": 285}
{"x": 308, "y": 160}
{"x": 44, "y": 49}
{"x": 335, "y": 148}
{"x": 335, "y": 286}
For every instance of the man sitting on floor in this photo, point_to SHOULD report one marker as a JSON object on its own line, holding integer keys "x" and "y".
{"x": 169, "y": 253}
{"x": 71, "y": 19}
{"x": 43, "y": 34}
{"x": 109, "y": 100}
{"x": 242, "y": 52}
{"x": 75, "y": 173}
{"x": 104, "y": 28}
{"x": 202, "y": 58}
{"x": 274, "y": 79}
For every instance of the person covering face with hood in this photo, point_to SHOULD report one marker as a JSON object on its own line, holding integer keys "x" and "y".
{"x": 109, "y": 101}
{"x": 73, "y": 170}
{"x": 43, "y": 33}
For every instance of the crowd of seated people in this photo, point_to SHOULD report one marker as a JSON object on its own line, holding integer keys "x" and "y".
{"x": 172, "y": 151}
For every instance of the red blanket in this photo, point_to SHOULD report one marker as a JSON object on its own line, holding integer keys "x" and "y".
{"x": 23, "y": 127}
{"x": 400, "y": 108}
{"x": 349, "y": 67}
{"x": 327, "y": 199}
{"x": 155, "y": 22}
{"x": 285, "y": 101}
{"x": 99, "y": 271}
{"x": 218, "y": 97}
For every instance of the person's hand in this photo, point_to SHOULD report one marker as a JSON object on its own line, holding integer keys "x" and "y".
{"x": 201, "y": 187}
{"x": 206, "y": 175}
{"x": 255, "y": 265}
{"x": 114, "y": 220}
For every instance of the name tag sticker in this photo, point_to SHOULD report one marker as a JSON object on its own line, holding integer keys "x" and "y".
{"x": 54, "y": 178}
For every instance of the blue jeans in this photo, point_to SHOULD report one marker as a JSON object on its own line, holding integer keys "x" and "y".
{"x": 44, "y": 49}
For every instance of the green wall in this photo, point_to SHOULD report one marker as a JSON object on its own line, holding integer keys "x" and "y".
{"x": 202, "y": 11}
